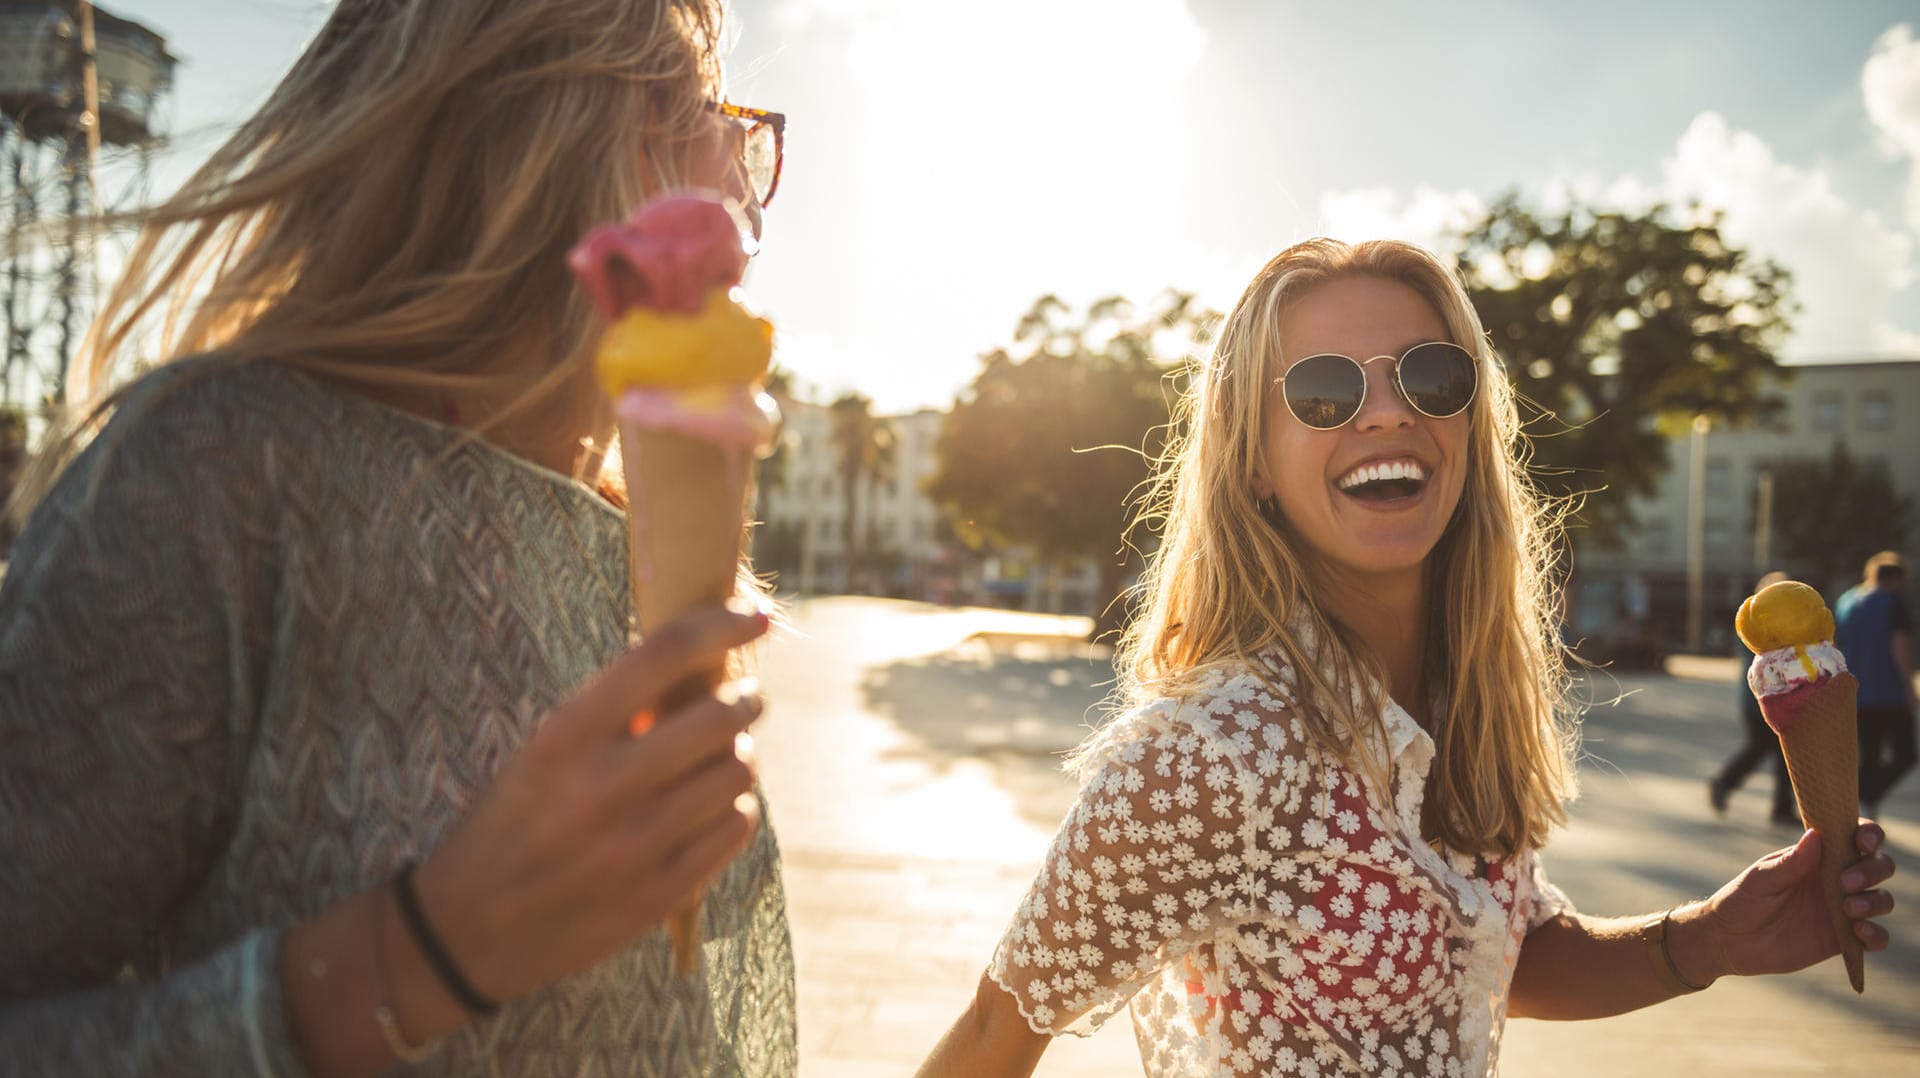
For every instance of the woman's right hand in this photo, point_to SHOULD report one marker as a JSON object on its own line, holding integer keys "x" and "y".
{"x": 590, "y": 836}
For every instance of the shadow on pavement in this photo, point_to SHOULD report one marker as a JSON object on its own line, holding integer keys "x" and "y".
{"x": 1017, "y": 706}
{"x": 1641, "y": 837}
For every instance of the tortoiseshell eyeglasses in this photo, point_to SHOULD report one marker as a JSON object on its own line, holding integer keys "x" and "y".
{"x": 766, "y": 146}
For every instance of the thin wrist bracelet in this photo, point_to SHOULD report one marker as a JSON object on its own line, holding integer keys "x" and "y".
{"x": 383, "y": 1015}
{"x": 455, "y": 982}
{"x": 1654, "y": 936}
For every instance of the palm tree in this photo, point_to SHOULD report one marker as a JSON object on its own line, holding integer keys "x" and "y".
{"x": 864, "y": 444}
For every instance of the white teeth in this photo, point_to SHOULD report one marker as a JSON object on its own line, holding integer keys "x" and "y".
{"x": 1374, "y": 473}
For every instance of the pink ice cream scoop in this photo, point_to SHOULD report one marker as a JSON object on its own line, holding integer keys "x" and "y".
{"x": 668, "y": 256}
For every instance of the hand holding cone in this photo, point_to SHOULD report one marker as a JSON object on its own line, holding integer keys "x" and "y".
{"x": 1807, "y": 697}
{"x": 682, "y": 365}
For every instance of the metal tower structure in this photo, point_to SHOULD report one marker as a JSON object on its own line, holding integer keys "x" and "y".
{"x": 81, "y": 92}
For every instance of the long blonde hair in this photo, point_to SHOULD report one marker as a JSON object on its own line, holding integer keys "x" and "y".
{"x": 396, "y": 216}
{"x": 1230, "y": 584}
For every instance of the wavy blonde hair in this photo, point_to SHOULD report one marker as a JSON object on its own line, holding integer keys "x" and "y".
{"x": 396, "y": 216}
{"x": 1230, "y": 584}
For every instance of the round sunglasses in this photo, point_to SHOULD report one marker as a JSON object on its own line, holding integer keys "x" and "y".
{"x": 1326, "y": 391}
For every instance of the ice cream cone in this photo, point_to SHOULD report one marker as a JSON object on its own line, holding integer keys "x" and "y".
{"x": 682, "y": 558}
{"x": 682, "y": 363}
{"x": 1817, "y": 733}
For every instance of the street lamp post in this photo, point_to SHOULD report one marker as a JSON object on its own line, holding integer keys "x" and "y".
{"x": 1696, "y": 531}
{"x": 1763, "y": 522}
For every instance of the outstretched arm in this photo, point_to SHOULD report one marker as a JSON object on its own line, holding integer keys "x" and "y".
{"x": 1769, "y": 919}
{"x": 991, "y": 1040}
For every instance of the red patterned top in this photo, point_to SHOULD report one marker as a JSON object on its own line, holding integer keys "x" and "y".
{"x": 1257, "y": 910}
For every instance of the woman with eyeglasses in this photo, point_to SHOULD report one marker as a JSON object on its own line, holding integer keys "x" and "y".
{"x": 1312, "y": 844}
{"x": 315, "y": 675}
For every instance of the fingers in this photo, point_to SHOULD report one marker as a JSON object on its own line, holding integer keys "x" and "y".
{"x": 1871, "y": 935}
{"x": 1868, "y": 904}
{"x": 712, "y": 848}
{"x": 1867, "y": 872}
{"x": 1869, "y": 836}
{"x": 697, "y": 736}
{"x": 694, "y": 642}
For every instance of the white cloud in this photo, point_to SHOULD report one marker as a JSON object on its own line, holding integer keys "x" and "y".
{"x": 1848, "y": 263}
{"x": 1890, "y": 86}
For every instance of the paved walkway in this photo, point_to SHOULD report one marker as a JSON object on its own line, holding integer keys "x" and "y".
{"x": 909, "y": 763}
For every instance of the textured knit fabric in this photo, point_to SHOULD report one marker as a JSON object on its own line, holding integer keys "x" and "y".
{"x": 1261, "y": 917}
{"x": 265, "y": 642}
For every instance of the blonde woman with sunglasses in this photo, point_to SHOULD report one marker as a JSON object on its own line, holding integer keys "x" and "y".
{"x": 315, "y": 679}
{"x": 1312, "y": 844}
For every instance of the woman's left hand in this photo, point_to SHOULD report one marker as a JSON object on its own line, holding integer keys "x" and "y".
{"x": 1772, "y": 918}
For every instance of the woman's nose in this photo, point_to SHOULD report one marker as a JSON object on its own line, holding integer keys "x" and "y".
{"x": 1384, "y": 408}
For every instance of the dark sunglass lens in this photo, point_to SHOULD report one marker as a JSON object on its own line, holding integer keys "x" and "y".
{"x": 1439, "y": 379}
{"x": 1325, "y": 391}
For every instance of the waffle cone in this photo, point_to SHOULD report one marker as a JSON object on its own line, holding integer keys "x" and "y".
{"x": 1823, "y": 757}
{"x": 686, "y": 515}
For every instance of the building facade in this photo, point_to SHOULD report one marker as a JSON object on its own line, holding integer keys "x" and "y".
{"x": 1872, "y": 409}
{"x": 905, "y": 545}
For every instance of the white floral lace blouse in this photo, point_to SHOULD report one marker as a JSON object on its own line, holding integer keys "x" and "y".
{"x": 1259, "y": 915}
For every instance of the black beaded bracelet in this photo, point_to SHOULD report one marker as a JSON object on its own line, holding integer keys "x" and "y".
{"x": 456, "y": 984}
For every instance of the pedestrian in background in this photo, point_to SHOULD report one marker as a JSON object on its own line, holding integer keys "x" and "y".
{"x": 1873, "y": 628}
{"x": 315, "y": 675}
{"x": 1761, "y": 745}
{"x": 1312, "y": 845}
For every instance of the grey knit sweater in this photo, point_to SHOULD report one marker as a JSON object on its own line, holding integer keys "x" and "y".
{"x": 265, "y": 641}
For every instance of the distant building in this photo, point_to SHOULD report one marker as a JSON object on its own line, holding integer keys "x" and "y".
{"x": 1873, "y": 409}
{"x": 908, "y": 548}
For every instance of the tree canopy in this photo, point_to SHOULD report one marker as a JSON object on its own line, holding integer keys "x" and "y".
{"x": 1049, "y": 443}
{"x": 1830, "y": 515}
{"x": 1617, "y": 329}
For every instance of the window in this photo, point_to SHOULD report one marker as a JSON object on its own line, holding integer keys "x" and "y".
{"x": 1719, "y": 479}
{"x": 1826, "y": 413}
{"x": 1656, "y": 536}
{"x": 1876, "y": 411}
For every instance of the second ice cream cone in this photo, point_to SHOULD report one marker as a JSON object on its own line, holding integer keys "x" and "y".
{"x": 1823, "y": 758}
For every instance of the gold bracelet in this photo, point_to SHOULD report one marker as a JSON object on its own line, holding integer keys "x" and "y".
{"x": 396, "y": 1042}
{"x": 1654, "y": 936}
{"x": 383, "y": 1015}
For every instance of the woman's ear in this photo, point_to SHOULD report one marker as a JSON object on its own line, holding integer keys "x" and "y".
{"x": 1262, "y": 490}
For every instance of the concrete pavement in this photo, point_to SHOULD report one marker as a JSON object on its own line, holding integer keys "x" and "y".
{"x": 910, "y": 760}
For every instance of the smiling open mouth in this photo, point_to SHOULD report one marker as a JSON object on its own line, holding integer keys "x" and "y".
{"x": 1385, "y": 482}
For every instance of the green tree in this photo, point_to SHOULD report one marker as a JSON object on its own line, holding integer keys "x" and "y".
{"x": 1051, "y": 440}
{"x": 863, "y": 445}
{"x": 1617, "y": 329}
{"x": 1838, "y": 512}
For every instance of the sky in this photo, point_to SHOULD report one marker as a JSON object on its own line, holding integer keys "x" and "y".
{"x": 947, "y": 164}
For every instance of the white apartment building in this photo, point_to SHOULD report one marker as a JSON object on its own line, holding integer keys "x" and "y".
{"x": 911, "y": 551}
{"x": 1871, "y": 408}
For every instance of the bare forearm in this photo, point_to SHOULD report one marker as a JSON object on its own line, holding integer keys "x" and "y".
{"x": 1588, "y": 967}
{"x": 332, "y": 977}
{"x": 990, "y": 1040}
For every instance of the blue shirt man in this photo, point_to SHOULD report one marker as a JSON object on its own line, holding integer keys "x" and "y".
{"x": 1873, "y": 628}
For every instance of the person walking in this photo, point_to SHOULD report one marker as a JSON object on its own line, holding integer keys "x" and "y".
{"x": 1761, "y": 745}
{"x": 1873, "y": 628}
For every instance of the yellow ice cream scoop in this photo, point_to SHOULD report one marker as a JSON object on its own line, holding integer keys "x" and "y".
{"x": 1783, "y": 615}
{"x": 668, "y": 350}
